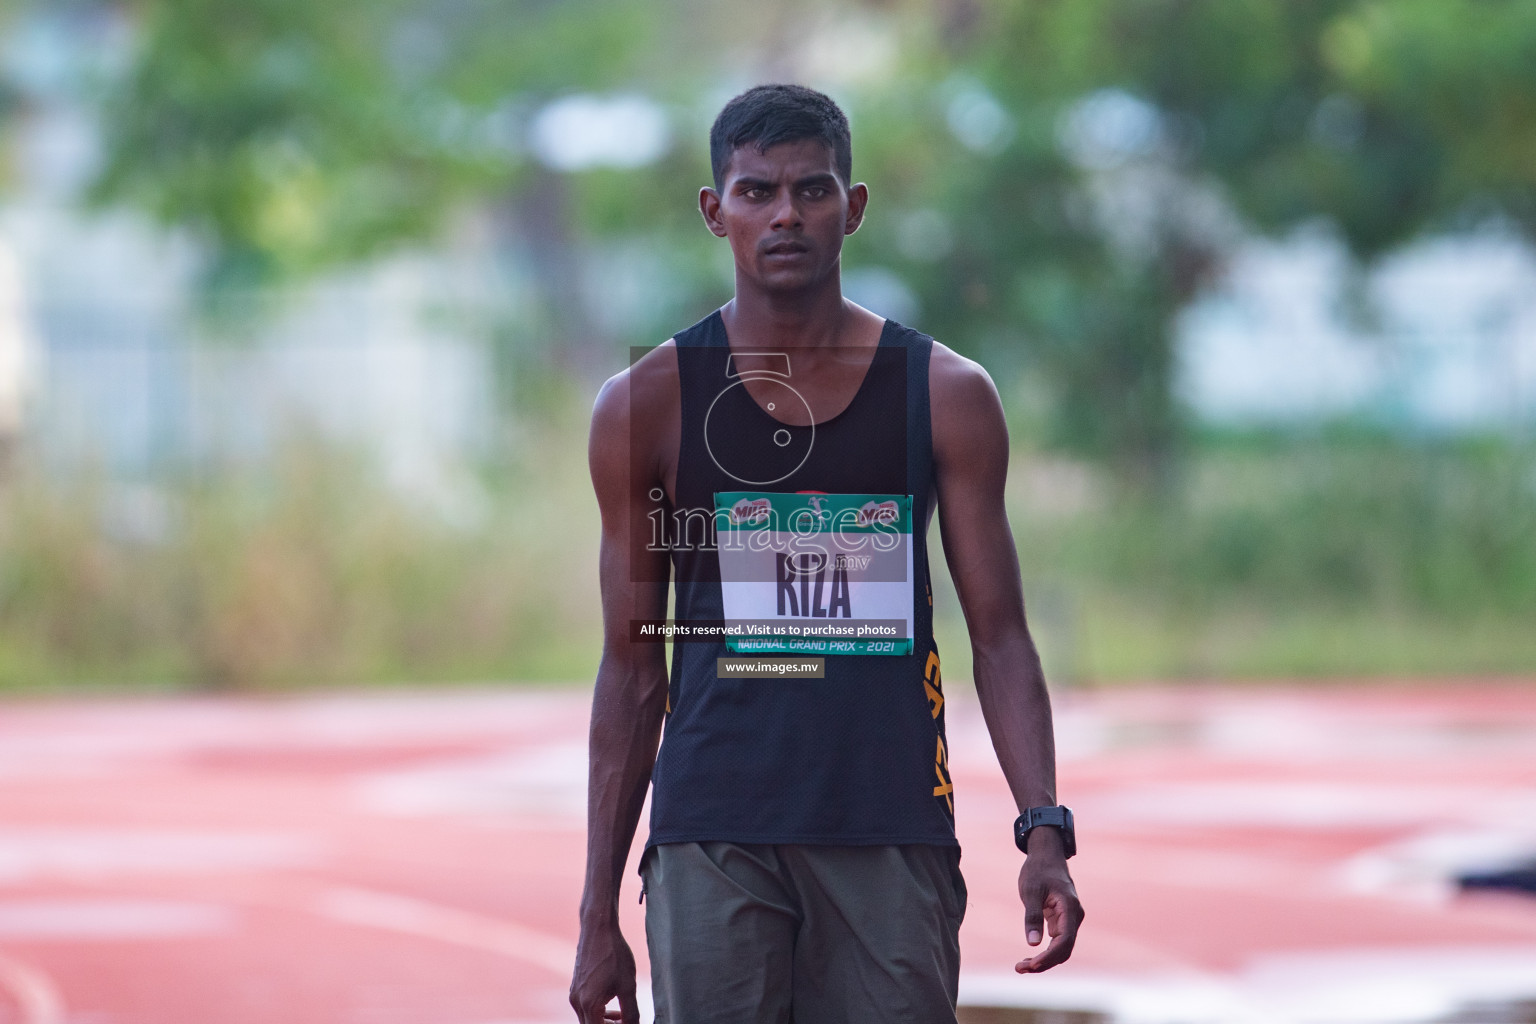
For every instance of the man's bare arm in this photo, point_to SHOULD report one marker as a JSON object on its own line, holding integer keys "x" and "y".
{"x": 971, "y": 460}
{"x": 628, "y": 702}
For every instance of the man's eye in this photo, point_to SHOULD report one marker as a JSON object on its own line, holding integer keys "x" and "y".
{"x": 816, "y": 192}
{"x": 755, "y": 193}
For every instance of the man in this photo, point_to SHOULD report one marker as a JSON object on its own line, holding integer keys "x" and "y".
{"x": 783, "y": 458}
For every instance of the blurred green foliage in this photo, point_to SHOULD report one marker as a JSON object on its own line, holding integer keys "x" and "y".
{"x": 1080, "y": 237}
{"x": 1329, "y": 556}
{"x": 1082, "y": 166}
{"x": 308, "y": 571}
{"x": 1444, "y": 530}
{"x": 1361, "y": 557}
{"x": 294, "y": 136}
{"x": 1054, "y": 181}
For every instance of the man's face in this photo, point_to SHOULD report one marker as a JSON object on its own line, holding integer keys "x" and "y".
{"x": 785, "y": 212}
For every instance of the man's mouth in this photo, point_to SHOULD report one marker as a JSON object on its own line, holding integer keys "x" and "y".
{"x": 785, "y": 248}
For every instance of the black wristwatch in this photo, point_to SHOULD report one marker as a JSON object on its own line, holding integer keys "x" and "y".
{"x": 1057, "y": 817}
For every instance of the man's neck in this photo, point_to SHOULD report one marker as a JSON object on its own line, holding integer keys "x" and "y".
{"x": 813, "y": 318}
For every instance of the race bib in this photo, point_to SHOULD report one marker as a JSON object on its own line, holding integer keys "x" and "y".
{"x": 816, "y": 573}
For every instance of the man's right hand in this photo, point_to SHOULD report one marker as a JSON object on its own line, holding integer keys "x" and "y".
{"x": 605, "y": 969}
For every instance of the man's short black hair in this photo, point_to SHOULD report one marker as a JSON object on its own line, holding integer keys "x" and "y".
{"x": 767, "y": 115}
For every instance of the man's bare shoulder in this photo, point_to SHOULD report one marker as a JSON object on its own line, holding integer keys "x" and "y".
{"x": 958, "y": 386}
{"x": 644, "y": 392}
{"x": 969, "y": 429}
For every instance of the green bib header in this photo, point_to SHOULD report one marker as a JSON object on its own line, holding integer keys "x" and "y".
{"x": 813, "y": 513}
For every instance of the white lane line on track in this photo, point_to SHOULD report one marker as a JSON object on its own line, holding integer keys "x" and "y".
{"x": 92, "y": 854}
{"x": 35, "y": 995}
{"x": 110, "y": 920}
{"x": 423, "y": 919}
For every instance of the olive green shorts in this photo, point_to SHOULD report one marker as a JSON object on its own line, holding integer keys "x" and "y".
{"x": 749, "y": 934}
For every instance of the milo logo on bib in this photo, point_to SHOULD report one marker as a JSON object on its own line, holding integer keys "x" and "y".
{"x": 816, "y": 573}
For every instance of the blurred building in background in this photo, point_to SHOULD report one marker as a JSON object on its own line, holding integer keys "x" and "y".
{"x": 1451, "y": 347}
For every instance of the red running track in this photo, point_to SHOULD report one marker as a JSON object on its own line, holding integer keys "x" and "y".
{"x": 1255, "y": 854}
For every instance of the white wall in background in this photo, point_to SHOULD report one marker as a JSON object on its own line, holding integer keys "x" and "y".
{"x": 391, "y": 357}
{"x": 17, "y": 351}
{"x": 1452, "y": 346}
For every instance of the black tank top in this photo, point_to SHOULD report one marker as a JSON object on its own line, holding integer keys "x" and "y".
{"x": 857, "y": 757}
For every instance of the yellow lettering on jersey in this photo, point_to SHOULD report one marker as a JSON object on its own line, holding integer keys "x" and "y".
{"x": 932, "y": 682}
{"x": 934, "y": 697}
{"x": 946, "y": 786}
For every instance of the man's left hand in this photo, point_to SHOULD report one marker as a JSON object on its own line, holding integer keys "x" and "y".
{"x": 1050, "y": 899}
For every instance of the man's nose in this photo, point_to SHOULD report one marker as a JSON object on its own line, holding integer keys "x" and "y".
{"x": 786, "y": 213}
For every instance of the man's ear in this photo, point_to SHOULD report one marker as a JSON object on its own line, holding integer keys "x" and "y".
{"x": 709, "y": 206}
{"x": 858, "y": 199}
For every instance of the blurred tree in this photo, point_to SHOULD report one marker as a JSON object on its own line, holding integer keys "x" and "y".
{"x": 1389, "y": 117}
{"x": 294, "y": 137}
{"x": 1056, "y": 179}
{"x": 1119, "y": 148}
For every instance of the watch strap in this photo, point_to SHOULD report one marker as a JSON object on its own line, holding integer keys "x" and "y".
{"x": 1059, "y": 817}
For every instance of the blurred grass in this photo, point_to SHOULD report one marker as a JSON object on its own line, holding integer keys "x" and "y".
{"x": 1270, "y": 558}
{"x": 312, "y": 571}
{"x": 1280, "y": 557}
